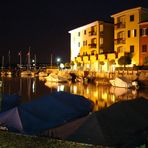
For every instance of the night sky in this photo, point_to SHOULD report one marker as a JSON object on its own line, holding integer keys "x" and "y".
{"x": 43, "y": 25}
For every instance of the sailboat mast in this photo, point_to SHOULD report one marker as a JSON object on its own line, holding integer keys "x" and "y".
{"x": 20, "y": 57}
{"x": 51, "y": 61}
{"x": 9, "y": 58}
{"x": 2, "y": 62}
{"x": 28, "y": 54}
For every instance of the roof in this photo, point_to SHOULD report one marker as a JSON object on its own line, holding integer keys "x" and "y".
{"x": 129, "y": 10}
{"x": 88, "y": 25}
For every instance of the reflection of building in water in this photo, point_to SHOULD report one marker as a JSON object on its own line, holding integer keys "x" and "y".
{"x": 102, "y": 96}
{"x": 99, "y": 95}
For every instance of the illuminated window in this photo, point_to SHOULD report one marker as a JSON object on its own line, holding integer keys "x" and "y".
{"x": 131, "y": 18}
{"x": 143, "y": 31}
{"x": 101, "y": 41}
{"x": 144, "y": 48}
{"x": 132, "y": 33}
{"x": 131, "y": 48}
{"x": 101, "y": 27}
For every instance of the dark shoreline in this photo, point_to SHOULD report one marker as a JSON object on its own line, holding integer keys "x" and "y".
{"x": 12, "y": 140}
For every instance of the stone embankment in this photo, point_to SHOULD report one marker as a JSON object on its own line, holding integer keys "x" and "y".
{"x": 104, "y": 77}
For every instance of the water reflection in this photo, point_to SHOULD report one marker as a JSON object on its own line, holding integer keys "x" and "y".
{"x": 102, "y": 96}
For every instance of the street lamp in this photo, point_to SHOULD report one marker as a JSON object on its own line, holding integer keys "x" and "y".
{"x": 58, "y": 61}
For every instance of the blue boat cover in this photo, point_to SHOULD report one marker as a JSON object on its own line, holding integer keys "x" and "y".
{"x": 46, "y": 112}
{"x": 8, "y": 101}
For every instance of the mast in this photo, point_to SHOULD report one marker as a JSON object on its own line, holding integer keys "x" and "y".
{"x": 2, "y": 63}
{"x": 28, "y": 65}
{"x": 35, "y": 61}
{"x": 51, "y": 61}
{"x": 9, "y": 58}
{"x": 20, "y": 55}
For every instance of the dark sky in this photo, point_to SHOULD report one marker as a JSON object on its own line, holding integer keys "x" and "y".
{"x": 43, "y": 25}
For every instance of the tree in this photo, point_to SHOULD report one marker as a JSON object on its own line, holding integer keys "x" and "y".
{"x": 67, "y": 65}
{"x": 125, "y": 60}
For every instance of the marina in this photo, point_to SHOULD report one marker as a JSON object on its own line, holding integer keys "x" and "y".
{"x": 30, "y": 88}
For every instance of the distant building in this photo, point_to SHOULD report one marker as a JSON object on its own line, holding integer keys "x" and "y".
{"x": 127, "y": 32}
{"x": 89, "y": 42}
{"x": 143, "y": 42}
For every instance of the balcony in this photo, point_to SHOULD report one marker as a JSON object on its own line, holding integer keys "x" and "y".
{"x": 119, "y": 25}
{"x": 101, "y": 33}
{"x": 101, "y": 46}
{"x": 119, "y": 41}
{"x": 92, "y": 45}
{"x": 91, "y": 33}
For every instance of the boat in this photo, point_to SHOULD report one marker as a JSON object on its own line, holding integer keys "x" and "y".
{"x": 45, "y": 112}
{"x": 43, "y": 74}
{"x": 25, "y": 73}
{"x": 123, "y": 82}
{"x": 119, "y": 91}
{"x": 55, "y": 78}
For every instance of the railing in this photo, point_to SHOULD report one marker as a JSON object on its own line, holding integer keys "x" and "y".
{"x": 92, "y": 33}
{"x": 119, "y": 25}
{"x": 119, "y": 41}
{"x": 93, "y": 45}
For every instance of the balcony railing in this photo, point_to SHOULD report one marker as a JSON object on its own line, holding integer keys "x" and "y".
{"x": 119, "y": 41}
{"x": 91, "y": 33}
{"x": 101, "y": 33}
{"x": 119, "y": 25}
{"x": 93, "y": 45}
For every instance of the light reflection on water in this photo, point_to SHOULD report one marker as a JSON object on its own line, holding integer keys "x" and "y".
{"x": 102, "y": 96}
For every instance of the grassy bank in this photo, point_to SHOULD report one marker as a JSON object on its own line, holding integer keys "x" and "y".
{"x": 11, "y": 140}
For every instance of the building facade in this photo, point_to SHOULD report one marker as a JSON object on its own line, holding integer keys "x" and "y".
{"x": 143, "y": 42}
{"x": 88, "y": 44}
{"x": 99, "y": 45}
{"x": 127, "y": 32}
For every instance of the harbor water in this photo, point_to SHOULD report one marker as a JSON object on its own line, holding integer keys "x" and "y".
{"x": 102, "y": 95}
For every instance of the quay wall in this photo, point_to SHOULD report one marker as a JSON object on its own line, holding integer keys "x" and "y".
{"x": 131, "y": 75}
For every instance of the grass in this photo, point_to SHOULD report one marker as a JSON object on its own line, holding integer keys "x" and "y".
{"x": 12, "y": 140}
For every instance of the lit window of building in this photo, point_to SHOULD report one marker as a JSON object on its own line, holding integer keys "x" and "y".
{"x": 143, "y": 31}
{"x": 101, "y": 41}
{"x": 101, "y": 27}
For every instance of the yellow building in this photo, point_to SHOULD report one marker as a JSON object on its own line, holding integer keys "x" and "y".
{"x": 127, "y": 32}
{"x": 90, "y": 45}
